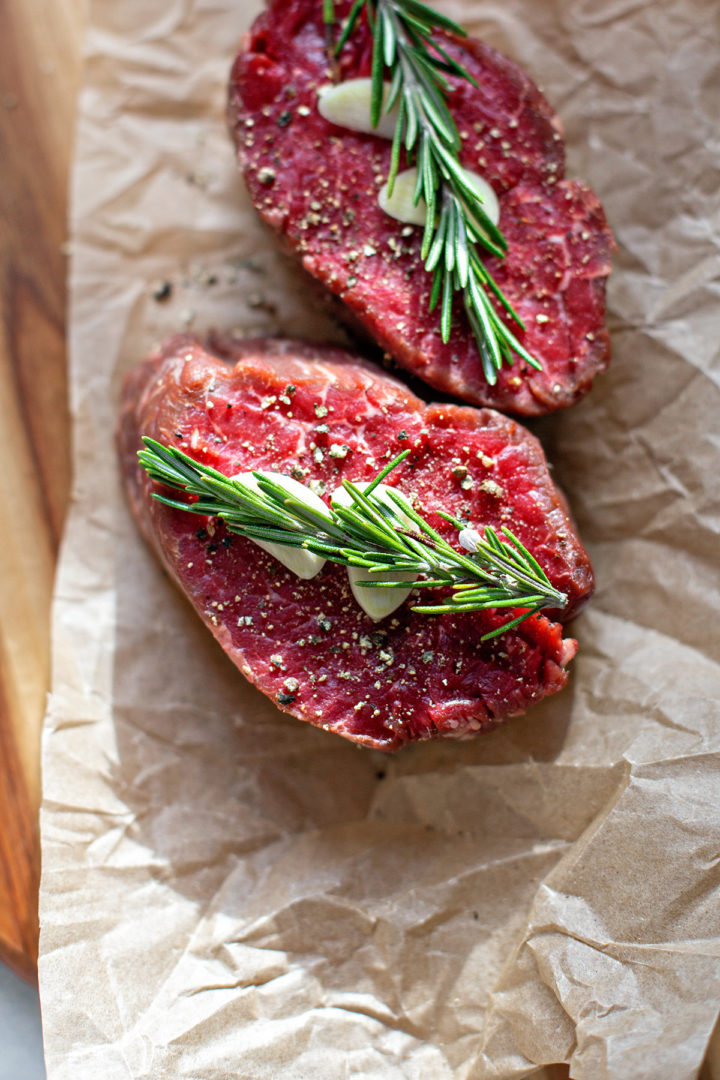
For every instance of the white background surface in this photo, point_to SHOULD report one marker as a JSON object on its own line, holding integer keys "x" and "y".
{"x": 20, "y": 1035}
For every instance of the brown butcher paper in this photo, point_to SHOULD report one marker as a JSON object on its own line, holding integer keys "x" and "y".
{"x": 229, "y": 893}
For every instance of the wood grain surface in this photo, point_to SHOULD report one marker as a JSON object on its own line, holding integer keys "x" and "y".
{"x": 39, "y": 76}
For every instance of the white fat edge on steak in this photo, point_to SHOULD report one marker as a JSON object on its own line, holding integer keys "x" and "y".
{"x": 377, "y": 603}
{"x": 347, "y": 104}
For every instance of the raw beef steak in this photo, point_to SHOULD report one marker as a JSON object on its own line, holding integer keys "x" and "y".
{"x": 322, "y": 415}
{"x": 317, "y": 185}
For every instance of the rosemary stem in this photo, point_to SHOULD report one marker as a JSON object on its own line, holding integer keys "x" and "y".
{"x": 500, "y": 573}
{"x": 457, "y": 227}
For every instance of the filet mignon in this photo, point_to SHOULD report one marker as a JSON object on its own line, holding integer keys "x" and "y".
{"x": 316, "y": 184}
{"x": 322, "y": 415}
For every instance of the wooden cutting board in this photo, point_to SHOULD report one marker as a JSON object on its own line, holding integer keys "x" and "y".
{"x": 39, "y": 75}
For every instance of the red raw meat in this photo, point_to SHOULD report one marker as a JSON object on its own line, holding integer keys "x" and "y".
{"x": 317, "y": 184}
{"x": 322, "y": 415}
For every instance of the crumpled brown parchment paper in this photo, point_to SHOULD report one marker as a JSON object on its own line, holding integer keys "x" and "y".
{"x": 227, "y": 893}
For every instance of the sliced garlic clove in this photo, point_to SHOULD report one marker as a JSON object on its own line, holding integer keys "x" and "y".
{"x": 400, "y": 205}
{"x": 377, "y": 603}
{"x": 303, "y": 563}
{"x": 347, "y": 104}
{"x": 491, "y": 204}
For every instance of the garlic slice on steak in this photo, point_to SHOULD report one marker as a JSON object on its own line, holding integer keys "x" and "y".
{"x": 400, "y": 205}
{"x": 305, "y": 564}
{"x": 347, "y": 104}
{"x": 377, "y": 603}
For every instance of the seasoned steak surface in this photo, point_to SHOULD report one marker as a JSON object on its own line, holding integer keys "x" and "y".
{"x": 322, "y": 415}
{"x": 316, "y": 184}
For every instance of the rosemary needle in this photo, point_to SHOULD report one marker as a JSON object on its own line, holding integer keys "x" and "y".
{"x": 457, "y": 228}
{"x": 492, "y": 571}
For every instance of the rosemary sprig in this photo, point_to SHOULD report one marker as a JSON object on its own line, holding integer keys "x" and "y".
{"x": 457, "y": 228}
{"x": 373, "y": 533}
